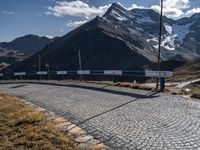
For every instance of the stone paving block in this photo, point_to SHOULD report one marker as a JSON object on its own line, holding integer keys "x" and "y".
{"x": 83, "y": 139}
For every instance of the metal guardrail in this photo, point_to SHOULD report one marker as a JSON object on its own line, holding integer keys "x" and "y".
{"x": 157, "y": 74}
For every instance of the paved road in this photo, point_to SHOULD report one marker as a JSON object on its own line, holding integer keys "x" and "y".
{"x": 185, "y": 83}
{"x": 120, "y": 117}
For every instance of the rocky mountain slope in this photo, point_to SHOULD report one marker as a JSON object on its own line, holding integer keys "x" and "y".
{"x": 181, "y": 38}
{"x": 121, "y": 39}
{"x": 28, "y": 44}
{"x": 102, "y": 46}
{"x": 21, "y": 48}
{"x": 189, "y": 71}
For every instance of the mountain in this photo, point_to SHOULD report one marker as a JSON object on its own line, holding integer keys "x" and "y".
{"x": 102, "y": 46}
{"x": 189, "y": 71}
{"x": 21, "y": 48}
{"x": 121, "y": 39}
{"x": 8, "y": 57}
{"x": 181, "y": 38}
{"x": 28, "y": 44}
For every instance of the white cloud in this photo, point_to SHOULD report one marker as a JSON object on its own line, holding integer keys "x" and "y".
{"x": 192, "y": 11}
{"x": 169, "y": 12}
{"x": 49, "y": 36}
{"x": 81, "y": 8}
{"x": 179, "y": 4}
{"x": 76, "y": 23}
{"x": 135, "y": 6}
{"x": 76, "y": 8}
{"x": 173, "y": 8}
{"x": 5, "y": 12}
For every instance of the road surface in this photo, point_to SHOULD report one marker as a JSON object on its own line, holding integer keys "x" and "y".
{"x": 185, "y": 83}
{"x": 122, "y": 118}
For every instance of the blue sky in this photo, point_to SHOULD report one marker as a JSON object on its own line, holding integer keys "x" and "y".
{"x": 58, "y": 17}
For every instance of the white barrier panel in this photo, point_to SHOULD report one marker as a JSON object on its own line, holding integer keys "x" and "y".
{"x": 83, "y": 72}
{"x": 1, "y": 74}
{"x": 158, "y": 74}
{"x": 41, "y": 73}
{"x": 20, "y": 73}
{"x": 113, "y": 72}
{"x": 61, "y": 72}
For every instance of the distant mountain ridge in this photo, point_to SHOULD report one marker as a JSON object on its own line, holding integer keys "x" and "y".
{"x": 28, "y": 44}
{"x": 21, "y": 48}
{"x": 121, "y": 39}
{"x": 189, "y": 71}
{"x": 102, "y": 46}
{"x": 181, "y": 38}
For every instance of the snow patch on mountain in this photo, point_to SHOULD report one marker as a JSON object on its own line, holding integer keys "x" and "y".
{"x": 168, "y": 28}
{"x": 117, "y": 16}
{"x": 154, "y": 39}
{"x": 181, "y": 30}
{"x": 169, "y": 42}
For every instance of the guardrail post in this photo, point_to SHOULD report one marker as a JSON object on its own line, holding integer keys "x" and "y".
{"x": 162, "y": 84}
{"x": 114, "y": 79}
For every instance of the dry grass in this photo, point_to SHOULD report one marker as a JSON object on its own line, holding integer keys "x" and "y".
{"x": 124, "y": 84}
{"x": 195, "y": 87}
{"x": 23, "y": 128}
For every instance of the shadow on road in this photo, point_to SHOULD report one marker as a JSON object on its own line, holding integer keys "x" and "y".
{"x": 110, "y": 110}
{"x": 99, "y": 89}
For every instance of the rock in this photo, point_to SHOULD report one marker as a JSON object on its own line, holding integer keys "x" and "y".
{"x": 188, "y": 91}
{"x": 99, "y": 147}
{"x": 77, "y": 131}
{"x": 83, "y": 139}
{"x": 60, "y": 119}
{"x": 41, "y": 109}
{"x": 94, "y": 141}
{"x": 84, "y": 146}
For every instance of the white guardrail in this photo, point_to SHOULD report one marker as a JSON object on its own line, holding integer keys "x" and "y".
{"x": 19, "y": 73}
{"x": 162, "y": 74}
{"x": 42, "y": 73}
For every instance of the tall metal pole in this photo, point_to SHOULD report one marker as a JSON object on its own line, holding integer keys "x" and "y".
{"x": 39, "y": 65}
{"x": 160, "y": 40}
{"x": 79, "y": 59}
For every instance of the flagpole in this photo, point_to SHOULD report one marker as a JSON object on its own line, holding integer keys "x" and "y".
{"x": 160, "y": 40}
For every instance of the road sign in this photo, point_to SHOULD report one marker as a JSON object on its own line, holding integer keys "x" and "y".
{"x": 20, "y": 73}
{"x": 158, "y": 74}
{"x": 113, "y": 72}
{"x": 61, "y": 72}
{"x": 83, "y": 72}
{"x": 41, "y": 73}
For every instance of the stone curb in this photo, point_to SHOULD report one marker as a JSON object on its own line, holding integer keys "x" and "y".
{"x": 82, "y": 139}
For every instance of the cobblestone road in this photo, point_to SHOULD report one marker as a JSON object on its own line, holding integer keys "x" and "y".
{"x": 121, "y": 118}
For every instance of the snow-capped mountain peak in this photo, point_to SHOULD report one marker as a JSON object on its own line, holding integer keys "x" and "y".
{"x": 145, "y": 22}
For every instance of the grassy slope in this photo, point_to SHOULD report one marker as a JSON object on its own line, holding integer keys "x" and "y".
{"x": 190, "y": 71}
{"x": 25, "y": 128}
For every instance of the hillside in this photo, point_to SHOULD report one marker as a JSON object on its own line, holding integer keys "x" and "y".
{"x": 189, "y": 71}
{"x": 27, "y": 44}
{"x": 102, "y": 46}
{"x": 181, "y": 38}
{"x": 21, "y": 48}
{"x": 121, "y": 39}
